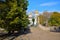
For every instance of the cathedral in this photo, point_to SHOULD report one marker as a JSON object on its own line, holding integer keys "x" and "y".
{"x": 34, "y": 15}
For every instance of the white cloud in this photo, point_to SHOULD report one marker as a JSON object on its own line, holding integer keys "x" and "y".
{"x": 49, "y": 4}
{"x": 50, "y": 11}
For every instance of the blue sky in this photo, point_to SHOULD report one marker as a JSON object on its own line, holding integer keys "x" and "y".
{"x": 43, "y": 5}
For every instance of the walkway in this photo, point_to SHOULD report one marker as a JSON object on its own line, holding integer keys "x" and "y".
{"x": 38, "y": 34}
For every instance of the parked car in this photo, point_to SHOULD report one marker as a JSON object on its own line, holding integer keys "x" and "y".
{"x": 55, "y": 29}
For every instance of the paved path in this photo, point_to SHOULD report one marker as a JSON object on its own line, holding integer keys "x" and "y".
{"x": 44, "y": 28}
{"x": 38, "y": 34}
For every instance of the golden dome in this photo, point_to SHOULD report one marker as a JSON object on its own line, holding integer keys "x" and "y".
{"x": 36, "y": 11}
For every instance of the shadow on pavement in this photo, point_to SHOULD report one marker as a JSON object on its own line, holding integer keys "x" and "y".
{"x": 6, "y": 36}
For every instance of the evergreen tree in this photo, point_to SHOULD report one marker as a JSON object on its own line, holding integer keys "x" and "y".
{"x": 14, "y": 16}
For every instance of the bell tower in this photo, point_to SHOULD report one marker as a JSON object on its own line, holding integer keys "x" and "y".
{"x": 36, "y": 17}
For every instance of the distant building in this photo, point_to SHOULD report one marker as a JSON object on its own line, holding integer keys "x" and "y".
{"x": 30, "y": 19}
{"x": 36, "y": 19}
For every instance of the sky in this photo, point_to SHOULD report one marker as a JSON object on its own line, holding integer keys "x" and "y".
{"x": 44, "y": 5}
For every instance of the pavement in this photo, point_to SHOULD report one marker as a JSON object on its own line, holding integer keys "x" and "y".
{"x": 44, "y": 28}
{"x": 38, "y": 34}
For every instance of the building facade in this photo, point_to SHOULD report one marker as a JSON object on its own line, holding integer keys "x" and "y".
{"x": 36, "y": 19}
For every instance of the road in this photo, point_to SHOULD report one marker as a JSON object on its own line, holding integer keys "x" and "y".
{"x": 38, "y": 34}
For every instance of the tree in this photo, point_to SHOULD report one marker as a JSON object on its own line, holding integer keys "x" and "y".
{"x": 33, "y": 20}
{"x": 46, "y": 17}
{"x": 14, "y": 15}
{"x": 55, "y": 19}
{"x": 41, "y": 19}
